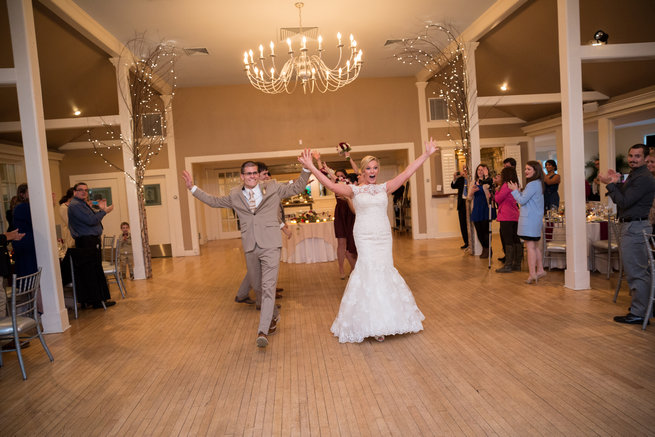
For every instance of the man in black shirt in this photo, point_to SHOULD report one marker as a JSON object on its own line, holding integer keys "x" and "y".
{"x": 633, "y": 199}
{"x": 459, "y": 182}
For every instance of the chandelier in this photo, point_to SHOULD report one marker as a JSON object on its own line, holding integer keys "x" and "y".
{"x": 301, "y": 67}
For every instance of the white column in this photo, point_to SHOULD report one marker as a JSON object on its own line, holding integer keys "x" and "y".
{"x": 172, "y": 186}
{"x": 474, "y": 124}
{"x": 561, "y": 169}
{"x": 531, "y": 149}
{"x": 124, "y": 111}
{"x": 606, "y": 151}
{"x": 576, "y": 276}
{"x": 472, "y": 92}
{"x": 30, "y": 103}
{"x": 430, "y": 219}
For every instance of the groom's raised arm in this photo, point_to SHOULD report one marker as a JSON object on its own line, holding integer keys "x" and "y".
{"x": 213, "y": 201}
{"x": 297, "y": 187}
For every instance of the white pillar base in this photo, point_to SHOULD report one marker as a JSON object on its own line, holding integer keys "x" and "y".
{"x": 55, "y": 322}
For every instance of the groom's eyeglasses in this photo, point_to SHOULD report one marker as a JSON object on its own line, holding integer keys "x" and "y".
{"x": 250, "y": 173}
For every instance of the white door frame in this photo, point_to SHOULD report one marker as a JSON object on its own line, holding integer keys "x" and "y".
{"x": 292, "y": 155}
{"x": 174, "y": 216}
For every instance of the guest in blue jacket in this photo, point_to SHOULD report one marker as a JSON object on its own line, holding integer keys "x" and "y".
{"x": 531, "y": 200}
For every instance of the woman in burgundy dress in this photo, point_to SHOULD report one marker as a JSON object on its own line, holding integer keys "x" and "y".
{"x": 344, "y": 220}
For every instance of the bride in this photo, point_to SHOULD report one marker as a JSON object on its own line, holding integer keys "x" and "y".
{"x": 377, "y": 301}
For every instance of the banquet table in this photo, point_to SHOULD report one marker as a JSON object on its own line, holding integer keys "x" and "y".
{"x": 310, "y": 243}
{"x": 596, "y": 230}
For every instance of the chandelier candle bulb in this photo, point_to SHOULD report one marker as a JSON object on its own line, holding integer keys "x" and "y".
{"x": 289, "y": 42}
{"x": 320, "y": 42}
{"x": 261, "y": 51}
{"x": 272, "y": 47}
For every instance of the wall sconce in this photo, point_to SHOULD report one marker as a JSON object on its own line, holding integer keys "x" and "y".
{"x": 600, "y": 38}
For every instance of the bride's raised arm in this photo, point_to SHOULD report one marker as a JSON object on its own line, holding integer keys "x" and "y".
{"x": 306, "y": 160}
{"x": 395, "y": 183}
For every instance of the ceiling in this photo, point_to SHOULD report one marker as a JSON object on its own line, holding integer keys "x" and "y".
{"x": 228, "y": 28}
{"x": 521, "y": 50}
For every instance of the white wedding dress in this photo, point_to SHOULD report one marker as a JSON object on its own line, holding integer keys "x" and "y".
{"x": 377, "y": 301}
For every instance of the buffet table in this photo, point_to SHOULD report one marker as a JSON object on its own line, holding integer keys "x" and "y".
{"x": 310, "y": 243}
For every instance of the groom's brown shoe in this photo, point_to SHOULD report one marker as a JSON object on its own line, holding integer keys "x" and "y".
{"x": 262, "y": 340}
{"x": 273, "y": 327}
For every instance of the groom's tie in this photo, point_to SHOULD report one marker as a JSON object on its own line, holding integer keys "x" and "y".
{"x": 251, "y": 201}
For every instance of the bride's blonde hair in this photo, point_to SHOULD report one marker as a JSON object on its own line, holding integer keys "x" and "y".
{"x": 366, "y": 161}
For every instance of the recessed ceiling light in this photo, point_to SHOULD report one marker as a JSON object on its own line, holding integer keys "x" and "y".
{"x": 504, "y": 87}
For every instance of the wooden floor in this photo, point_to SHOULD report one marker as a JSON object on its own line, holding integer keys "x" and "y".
{"x": 497, "y": 357}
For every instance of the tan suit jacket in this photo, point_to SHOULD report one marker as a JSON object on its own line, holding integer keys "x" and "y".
{"x": 263, "y": 226}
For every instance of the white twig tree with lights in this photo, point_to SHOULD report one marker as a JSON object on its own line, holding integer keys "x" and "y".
{"x": 151, "y": 73}
{"x": 440, "y": 52}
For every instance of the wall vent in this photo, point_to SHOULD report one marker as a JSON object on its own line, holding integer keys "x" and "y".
{"x": 438, "y": 109}
{"x": 151, "y": 125}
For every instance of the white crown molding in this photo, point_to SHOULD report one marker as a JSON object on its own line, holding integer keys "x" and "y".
{"x": 16, "y": 153}
{"x": 77, "y": 145}
{"x": 499, "y": 121}
{"x": 440, "y": 124}
{"x": 7, "y": 76}
{"x": 610, "y": 110}
{"x": 617, "y": 52}
{"x": 534, "y": 99}
{"x": 489, "y": 142}
{"x": 65, "y": 123}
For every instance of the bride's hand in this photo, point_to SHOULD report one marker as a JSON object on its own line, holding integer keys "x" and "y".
{"x": 431, "y": 146}
{"x": 305, "y": 159}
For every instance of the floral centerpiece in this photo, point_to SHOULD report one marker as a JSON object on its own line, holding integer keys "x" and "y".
{"x": 311, "y": 216}
{"x": 308, "y": 217}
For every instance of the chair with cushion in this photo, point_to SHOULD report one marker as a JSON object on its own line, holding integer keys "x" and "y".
{"x": 24, "y": 324}
{"x": 107, "y": 246}
{"x": 610, "y": 246}
{"x": 650, "y": 248}
{"x": 71, "y": 289}
{"x": 112, "y": 268}
{"x": 554, "y": 238}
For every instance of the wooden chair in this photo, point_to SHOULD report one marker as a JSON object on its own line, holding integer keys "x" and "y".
{"x": 24, "y": 317}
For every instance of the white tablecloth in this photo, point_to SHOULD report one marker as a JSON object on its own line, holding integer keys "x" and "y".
{"x": 558, "y": 260}
{"x": 310, "y": 243}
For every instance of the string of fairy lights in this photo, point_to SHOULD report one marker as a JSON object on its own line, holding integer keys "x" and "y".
{"x": 441, "y": 53}
{"x": 148, "y": 74}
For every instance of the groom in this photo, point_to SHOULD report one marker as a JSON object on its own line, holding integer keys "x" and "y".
{"x": 257, "y": 206}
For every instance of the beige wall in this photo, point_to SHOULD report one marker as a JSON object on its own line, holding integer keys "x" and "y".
{"x": 240, "y": 119}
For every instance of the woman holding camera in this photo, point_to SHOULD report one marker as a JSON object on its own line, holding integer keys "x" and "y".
{"x": 531, "y": 217}
{"x": 479, "y": 194}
